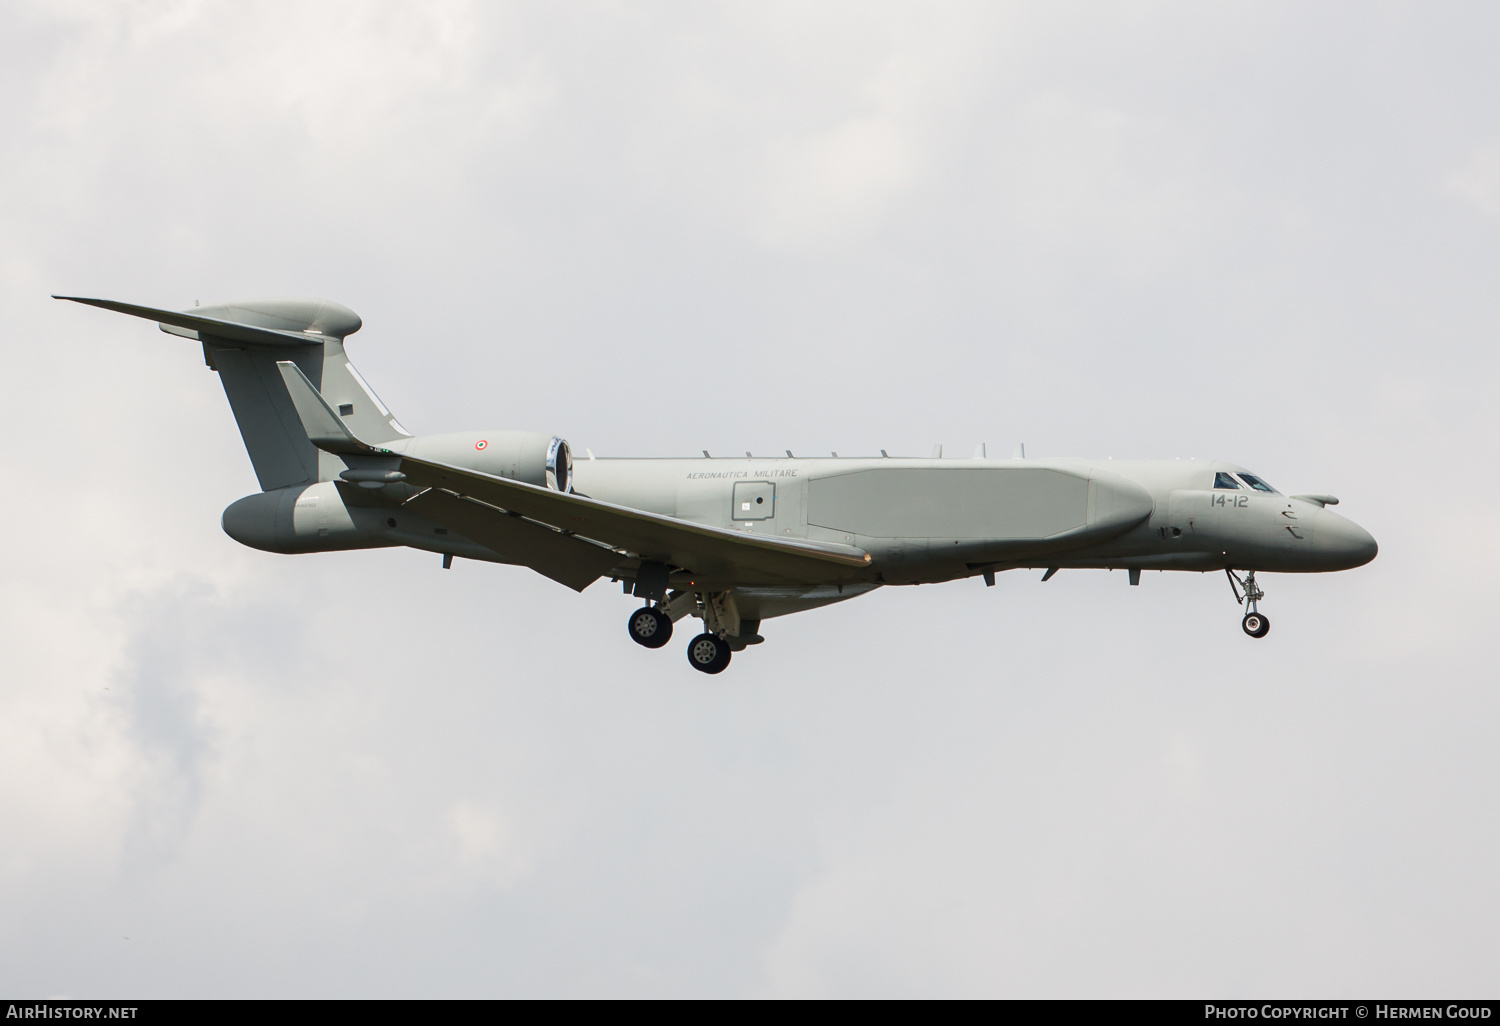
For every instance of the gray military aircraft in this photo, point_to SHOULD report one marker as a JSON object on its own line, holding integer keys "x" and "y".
{"x": 733, "y": 542}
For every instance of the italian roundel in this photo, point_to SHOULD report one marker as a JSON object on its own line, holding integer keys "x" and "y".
{"x": 481, "y": 444}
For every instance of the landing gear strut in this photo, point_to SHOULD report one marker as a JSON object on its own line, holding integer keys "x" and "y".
{"x": 1256, "y": 624}
{"x": 650, "y": 626}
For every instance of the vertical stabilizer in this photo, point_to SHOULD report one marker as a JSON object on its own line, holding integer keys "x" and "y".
{"x": 243, "y": 341}
{"x": 278, "y": 447}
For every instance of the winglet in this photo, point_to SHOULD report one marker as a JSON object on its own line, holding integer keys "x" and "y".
{"x": 323, "y": 426}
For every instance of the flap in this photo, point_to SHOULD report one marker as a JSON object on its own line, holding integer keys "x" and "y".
{"x": 565, "y": 559}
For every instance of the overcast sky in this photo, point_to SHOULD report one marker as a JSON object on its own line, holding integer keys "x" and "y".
{"x": 1263, "y": 232}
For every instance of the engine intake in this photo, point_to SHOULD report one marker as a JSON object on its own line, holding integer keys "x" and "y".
{"x": 559, "y": 466}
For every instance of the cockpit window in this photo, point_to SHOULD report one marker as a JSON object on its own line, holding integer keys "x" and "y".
{"x": 1223, "y": 480}
{"x": 1257, "y": 483}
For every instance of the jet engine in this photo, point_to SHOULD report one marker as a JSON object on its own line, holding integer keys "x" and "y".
{"x": 529, "y": 456}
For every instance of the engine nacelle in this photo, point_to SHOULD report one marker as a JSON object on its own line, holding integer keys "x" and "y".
{"x": 530, "y": 456}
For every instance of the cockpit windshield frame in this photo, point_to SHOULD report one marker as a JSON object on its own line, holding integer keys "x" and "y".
{"x": 1260, "y": 484}
{"x": 1223, "y": 480}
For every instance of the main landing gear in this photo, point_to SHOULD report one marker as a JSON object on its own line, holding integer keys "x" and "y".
{"x": 650, "y": 626}
{"x": 708, "y": 653}
{"x": 725, "y": 631}
{"x": 1256, "y": 624}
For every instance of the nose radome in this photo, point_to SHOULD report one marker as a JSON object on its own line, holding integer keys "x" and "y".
{"x": 1343, "y": 542}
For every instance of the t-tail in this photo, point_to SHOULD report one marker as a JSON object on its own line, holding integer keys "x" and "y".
{"x": 243, "y": 342}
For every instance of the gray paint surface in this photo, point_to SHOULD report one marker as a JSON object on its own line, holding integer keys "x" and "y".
{"x": 273, "y": 436}
{"x": 950, "y": 502}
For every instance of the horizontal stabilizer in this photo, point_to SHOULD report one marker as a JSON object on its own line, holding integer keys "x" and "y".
{"x": 233, "y": 331}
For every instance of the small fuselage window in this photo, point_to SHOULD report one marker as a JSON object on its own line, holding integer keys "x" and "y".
{"x": 1258, "y": 484}
{"x": 1223, "y": 480}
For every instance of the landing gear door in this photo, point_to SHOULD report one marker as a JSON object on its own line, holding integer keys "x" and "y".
{"x": 754, "y": 500}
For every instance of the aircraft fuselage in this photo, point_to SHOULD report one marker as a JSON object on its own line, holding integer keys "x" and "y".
{"x": 923, "y": 521}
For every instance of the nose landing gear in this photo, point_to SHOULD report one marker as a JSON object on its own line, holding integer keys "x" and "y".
{"x": 1255, "y": 623}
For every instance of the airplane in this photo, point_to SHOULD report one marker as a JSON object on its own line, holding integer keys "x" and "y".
{"x": 731, "y": 541}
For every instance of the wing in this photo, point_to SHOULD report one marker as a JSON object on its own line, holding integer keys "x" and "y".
{"x": 564, "y": 558}
{"x": 711, "y": 552}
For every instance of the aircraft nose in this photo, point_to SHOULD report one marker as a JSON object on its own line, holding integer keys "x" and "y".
{"x": 1342, "y": 543}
